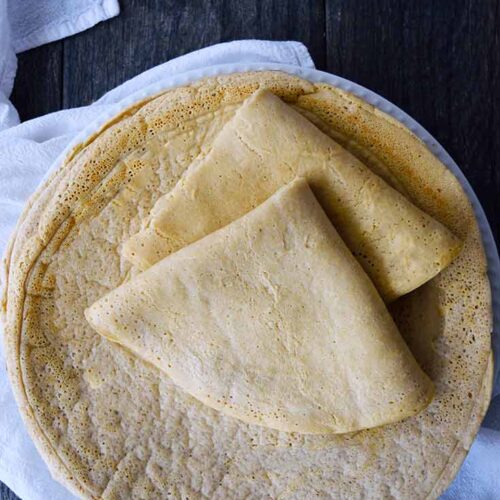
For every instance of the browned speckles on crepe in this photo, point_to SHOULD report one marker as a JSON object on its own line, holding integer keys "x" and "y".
{"x": 108, "y": 425}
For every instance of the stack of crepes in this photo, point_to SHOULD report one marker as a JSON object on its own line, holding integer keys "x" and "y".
{"x": 265, "y": 274}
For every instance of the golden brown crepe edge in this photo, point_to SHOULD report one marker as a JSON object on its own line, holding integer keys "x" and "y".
{"x": 462, "y": 448}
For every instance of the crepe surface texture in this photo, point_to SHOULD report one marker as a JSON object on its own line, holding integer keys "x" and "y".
{"x": 273, "y": 321}
{"x": 264, "y": 146}
{"x": 110, "y": 425}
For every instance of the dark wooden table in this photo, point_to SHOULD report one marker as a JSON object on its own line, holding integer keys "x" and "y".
{"x": 439, "y": 60}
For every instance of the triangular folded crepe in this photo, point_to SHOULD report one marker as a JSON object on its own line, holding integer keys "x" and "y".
{"x": 264, "y": 146}
{"x": 271, "y": 320}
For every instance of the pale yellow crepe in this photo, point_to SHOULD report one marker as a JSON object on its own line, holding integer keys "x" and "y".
{"x": 271, "y": 320}
{"x": 109, "y": 425}
{"x": 266, "y": 145}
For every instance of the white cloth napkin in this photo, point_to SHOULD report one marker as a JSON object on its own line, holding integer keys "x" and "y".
{"x": 25, "y": 24}
{"x": 8, "y": 64}
{"x": 28, "y": 151}
{"x": 35, "y": 22}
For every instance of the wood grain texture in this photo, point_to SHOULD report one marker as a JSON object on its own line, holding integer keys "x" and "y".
{"x": 278, "y": 20}
{"x": 148, "y": 33}
{"x": 6, "y": 494}
{"x": 37, "y": 88}
{"x": 438, "y": 60}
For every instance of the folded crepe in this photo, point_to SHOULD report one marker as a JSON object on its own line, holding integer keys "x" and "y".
{"x": 271, "y": 320}
{"x": 264, "y": 146}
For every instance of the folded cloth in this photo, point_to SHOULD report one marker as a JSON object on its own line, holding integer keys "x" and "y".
{"x": 29, "y": 150}
{"x": 8, "y": 65}
{"x": 25, "y": 24}
{"x": 35, "y": 22}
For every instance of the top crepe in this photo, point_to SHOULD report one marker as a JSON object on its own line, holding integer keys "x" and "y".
{"x": 264, "y": 146}
{"x": 271, "y": 320}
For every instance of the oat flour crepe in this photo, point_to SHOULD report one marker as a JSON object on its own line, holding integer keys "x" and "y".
{"x": 273, "y": 321}
{"x": 109, "y": 425}
{"x": 263, "y": 147}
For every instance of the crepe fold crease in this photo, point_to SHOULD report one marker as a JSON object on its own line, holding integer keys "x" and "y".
{"x": 267, "y": 144}
{"x": 271, "y": 320}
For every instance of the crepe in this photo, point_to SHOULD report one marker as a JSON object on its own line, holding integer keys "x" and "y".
{"x": 271, "y": 320}
{"x": 109, "y": 425}
{"x": 264, "y": 146}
